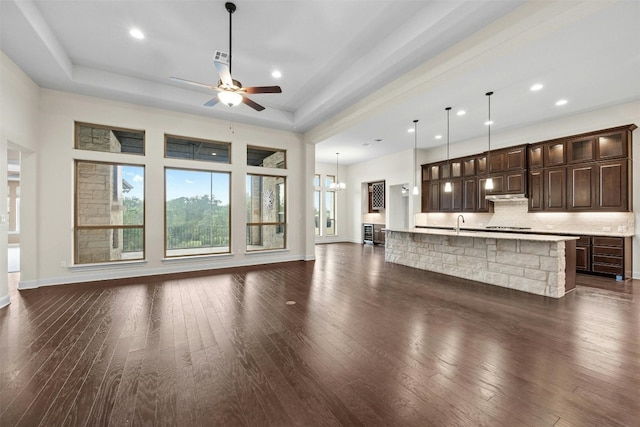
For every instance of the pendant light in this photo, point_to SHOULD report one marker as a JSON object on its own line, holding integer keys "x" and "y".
{"x": 489, "y": 183}
{"x": 337, "y": 185}
{"x": 415, "y": 155}
{"x": 447, "y": 185}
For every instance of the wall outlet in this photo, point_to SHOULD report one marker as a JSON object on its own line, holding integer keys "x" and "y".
{"x": 622, "y": 228}
{"x": 606, "y": 228}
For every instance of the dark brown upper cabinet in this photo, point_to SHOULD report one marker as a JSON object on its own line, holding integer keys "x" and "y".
{"x": 481, "y": 164}
{"x": 612, "y": 146}
{"x": 555, "y": 154}
{"x": 535, "y": 156}
{"x": 469, "y": 166}
{"x": 581, "y": 150}
{"x": 587, "y": 172}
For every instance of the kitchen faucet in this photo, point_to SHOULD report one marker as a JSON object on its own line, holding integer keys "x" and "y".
{"x": 458, "y": 223}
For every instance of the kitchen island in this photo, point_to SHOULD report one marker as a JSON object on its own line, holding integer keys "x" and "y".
{"x": 534, "y": 263}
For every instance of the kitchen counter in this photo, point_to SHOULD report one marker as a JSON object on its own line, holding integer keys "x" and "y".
{"x": 542, "y": 264}
{"x": 530, "y": 231}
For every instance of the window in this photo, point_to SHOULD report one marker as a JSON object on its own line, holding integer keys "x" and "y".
{"x": 197, "y": 212}
{"x": 328, "y": 180}
{"x": 316, "y": 211}
{"x": 316, "y": 181}
{"x": 330, "y": 197}
{"x": 266, "y": 212}
{"x": 178, "y": 147}
{"x": 109, "y": 139}
{"x": 266, "y": 157}
{"x": 109, "y": 212}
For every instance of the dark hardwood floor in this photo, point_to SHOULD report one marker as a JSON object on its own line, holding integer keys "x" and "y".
{"x": 366, "y": 343}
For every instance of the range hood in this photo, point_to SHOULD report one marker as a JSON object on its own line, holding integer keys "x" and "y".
{"x": 507, "y": 197}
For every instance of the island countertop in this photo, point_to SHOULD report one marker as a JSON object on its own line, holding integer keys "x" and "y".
{"x": 487, "y": 234}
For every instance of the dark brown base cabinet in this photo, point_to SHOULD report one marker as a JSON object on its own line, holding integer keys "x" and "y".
{"x": 608, "y": 256}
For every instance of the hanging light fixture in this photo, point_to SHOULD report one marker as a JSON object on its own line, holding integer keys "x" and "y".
{"x": 416, "y": 191}
{"x": 337, "y": 185}
{"x": 447, "y": 185}
{"x": 489, "y": 183}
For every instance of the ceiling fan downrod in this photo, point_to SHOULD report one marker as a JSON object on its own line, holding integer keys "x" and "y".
{"x": 231, "y": 7}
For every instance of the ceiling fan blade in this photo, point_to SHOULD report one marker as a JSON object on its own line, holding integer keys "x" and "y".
{"x": 252, "y": 104}
{"x": 263, "y": 89}
{"x": 211, "y": 102}
{"x": 223, "y": 71}
{"x": 189, "y": 82}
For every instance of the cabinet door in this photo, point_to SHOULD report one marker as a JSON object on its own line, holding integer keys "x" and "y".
{"x": 581, "y": 187}
{"x": 612, "y": 186}
{"x": 535, "y": 156}
{"x": 451, "y": 201}
{"x": 483, "y": 205}
{"x": 514, "y": 182}
{"x": 425, "y": 172}
{"x": 497, "y": 162}
{"x": 481, "y": 165}
{"x": 456, "y": 168}
{"x": 469, "y": 194}
{"x": 431, "y": 196}
{"x": 611, "y": 146}
{"x": 469, "y": 167}
{"x": 581, "y": 150}
{"x": 555, "y": 184}
{"x": 515, "y": 158}
{"x": 555, "y": 154}
{"x": 583, "y": 258}
{"x": 536, "y": 195}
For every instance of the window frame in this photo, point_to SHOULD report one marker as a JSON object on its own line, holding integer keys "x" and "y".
{"x": 188, "y": 139}
{"x": 280, "y": 225}
{"x": 76, "y": 211}
{"x": 228, "y": 173}
{"x": 76, "y": 137}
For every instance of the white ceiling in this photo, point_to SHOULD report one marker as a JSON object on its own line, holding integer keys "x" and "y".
{"x": 353, "y": 70}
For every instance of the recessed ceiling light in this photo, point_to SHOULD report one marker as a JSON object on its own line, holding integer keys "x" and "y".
{"x": 536, "y": 87}
{"x": 214, "y": 154}
{"x": 378, "y": 140}
{"x": 461, "y": 112}
{"x": 136, "y": 33}
{"x": 438, "y": 136}
{"x": 488, "y": 122}
{"x": 561, "y": 102}
{"x": 276, "y": 74}
{"x": 366, "y": 144}
{"x": 411, "y": 130}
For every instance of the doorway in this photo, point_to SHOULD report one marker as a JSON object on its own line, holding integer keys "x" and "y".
{"x": 13, "y": 211}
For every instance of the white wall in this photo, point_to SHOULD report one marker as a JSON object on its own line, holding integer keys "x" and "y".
{"x": 343, "y": 209}
{"x": 54, "y": 187}
{"x": 394, "y": 169}
{"x": 18, "y": 130}
{"x": 592, "y": 121}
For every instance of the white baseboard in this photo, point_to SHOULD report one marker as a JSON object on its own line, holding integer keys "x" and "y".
{"x": 113, "y": 272}
{"x": 5, "y": 301}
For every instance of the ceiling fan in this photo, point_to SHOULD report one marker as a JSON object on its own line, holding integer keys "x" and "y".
{"x": 230, "y": 91}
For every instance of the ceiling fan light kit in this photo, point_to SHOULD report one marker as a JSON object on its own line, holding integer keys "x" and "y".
{"x": 230, "y": 91}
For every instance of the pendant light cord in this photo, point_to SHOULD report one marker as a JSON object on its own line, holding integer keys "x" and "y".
{"x": 415, "y": 150}
{"x": 489, "y": 130}
{"x": 448, "y": 166}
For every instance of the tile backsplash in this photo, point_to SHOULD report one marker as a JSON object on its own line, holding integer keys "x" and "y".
{"x": 515, "y": 214}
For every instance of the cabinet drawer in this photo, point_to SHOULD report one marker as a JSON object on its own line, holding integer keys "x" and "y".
{"x": 610, "y": 260}
{"x": 608, "y": 250}
{"x": 608, "y": 241}
{"x": 583, "y": 241}
{"x": 607, "y": 269}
